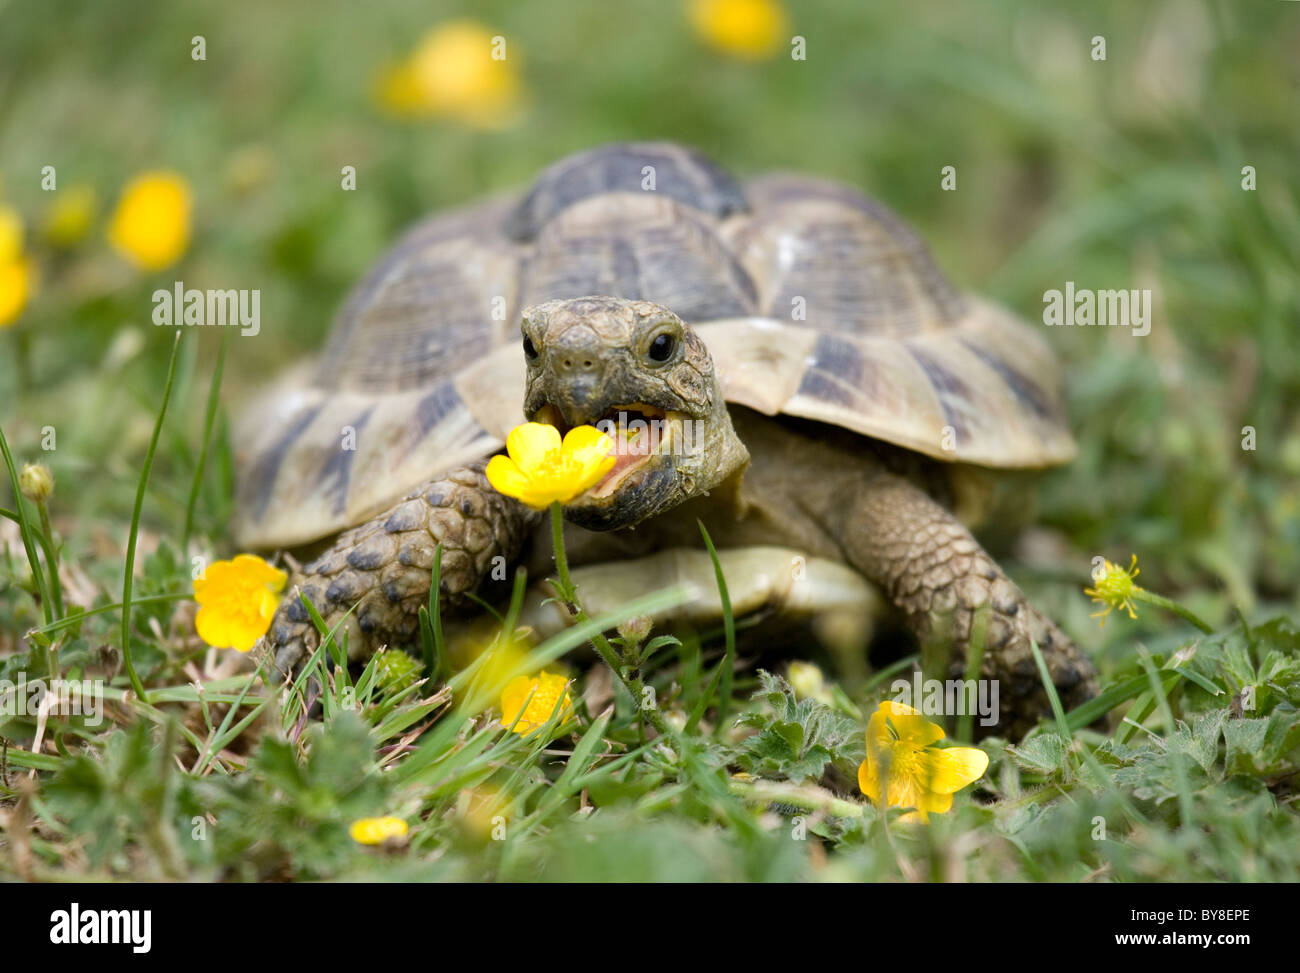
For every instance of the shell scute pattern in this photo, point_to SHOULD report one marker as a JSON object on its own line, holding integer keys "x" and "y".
{"x": 423, "y": 363}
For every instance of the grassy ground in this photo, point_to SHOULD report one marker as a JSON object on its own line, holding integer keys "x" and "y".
{"x": 1118, "y": 173}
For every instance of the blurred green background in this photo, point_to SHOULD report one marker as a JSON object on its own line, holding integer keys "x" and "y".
{"x": 1117, "y": 173}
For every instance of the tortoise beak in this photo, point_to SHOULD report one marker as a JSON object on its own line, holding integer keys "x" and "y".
{"x": 551, "y": 416}
{"x": 581, "y": 400}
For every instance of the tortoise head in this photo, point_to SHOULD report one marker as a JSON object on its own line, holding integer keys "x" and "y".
{"x": 635, "y": 371}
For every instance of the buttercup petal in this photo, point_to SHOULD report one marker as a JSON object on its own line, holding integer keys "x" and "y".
{"x": 587, "y": 443}
{"x": 506, "y": 477}
{"x": 529, "y": 703}
{"x": 909, "y": 725}
{"x": 916, "y": 730}
{"x": 593, "y": 453}
{"x": 869, "y": 780}
{"x": 539, "y": 496}
{"x": 531, "y": 444}
{"x": 212, "y": 627}
{"x": 932, "y": 803}
{"x": 253, "y": 567}
{"x": 951, "y": 769}
{"x": 244, "y": 637}
{"x": 375, "y": 831}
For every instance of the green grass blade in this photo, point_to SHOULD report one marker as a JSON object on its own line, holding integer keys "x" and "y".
{"x": 728, "y": 662}
{"x": 894, "y": 667}
{"x": 46, "y": 536}
{"x": 27, "y": 533}
{"x": 1097, "y": 707}
{"x": 1062, "y": 724}
{"x": 974, "y": 661}
{"x": 702, "y": 705}
{"x": 128, "y": 579}
{"x": 435, "y": 648}
{"x": 511, "y": 621}
{"x": 209, "y": 419}
{"x": 211, "y": 747}
{"x": 1195, "y": 677}
{"x": 72, "y": 620}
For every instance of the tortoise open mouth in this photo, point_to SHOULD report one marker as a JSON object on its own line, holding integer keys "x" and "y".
{"x": 642, "y": 433}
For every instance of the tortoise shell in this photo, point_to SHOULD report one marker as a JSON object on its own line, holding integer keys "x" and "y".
{"x": 814, "y": 301}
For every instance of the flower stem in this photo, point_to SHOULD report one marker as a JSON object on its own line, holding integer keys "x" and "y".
{"x": 1141, "y": 594}
{"x": 803, "y": 797}
{"x": 51, "y": 557}
{"x": 565, "y": 588}
{"x": 568, "y": 595}
{"x": 56, "y": 588}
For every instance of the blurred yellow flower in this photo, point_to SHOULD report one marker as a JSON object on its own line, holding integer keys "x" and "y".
{"x": 237, "y": 600}
{"x": 532, "y": 700}
{"x": 17, "y": 280}
{"x": 70, "y": 216}
{"x": 901, "y": 755}
{"x": 17, "y": 273}
{"x": 541, "y": 469}
{"x": 498, "y": 661}
{"x": 375, "y": 831}
{"x": 1114, "y": 589}
{"x": 479, "y": 810}
{"x": 11, "y": 234}
{"x": 459, "y": 70}
{"x": 746, "y": 29}
{"x": 151, "y": 225}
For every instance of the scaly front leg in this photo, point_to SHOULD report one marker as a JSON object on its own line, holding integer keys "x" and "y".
{"x": 931, "y": 568}
{"x": 385, "y": 566}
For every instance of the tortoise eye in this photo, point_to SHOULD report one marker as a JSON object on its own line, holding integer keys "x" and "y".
{"x": 662, "y": 347}
{"x": 529, "y": 350}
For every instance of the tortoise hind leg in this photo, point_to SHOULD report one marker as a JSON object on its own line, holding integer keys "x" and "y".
{"x": 932, "y": 569}
{"x": 384, "y": 567}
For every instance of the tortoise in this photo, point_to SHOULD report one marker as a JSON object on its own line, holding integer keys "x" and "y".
{"x": 838, "y": 388}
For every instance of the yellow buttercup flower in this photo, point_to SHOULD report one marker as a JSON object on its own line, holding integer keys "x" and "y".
{"x": 375, "y": 831}
{"x": 237, "y": 600}
{"x": 903, "y": 762}
{"x": 532, "y": 700}
{"x": 151, "y": 225}
{"x": 747, "y": 29}
{"x": 540, "y": 469}
{"x": 459, "y": 70}
{"x": 1114, "y": 589}
{"x": 69, "y": 218}
{"x": 17, "y": 280}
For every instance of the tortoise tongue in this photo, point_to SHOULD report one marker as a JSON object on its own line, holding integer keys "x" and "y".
{"x": 629, "y": 451}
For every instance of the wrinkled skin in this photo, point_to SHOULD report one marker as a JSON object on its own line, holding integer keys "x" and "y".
{"x": 752, "y": 479}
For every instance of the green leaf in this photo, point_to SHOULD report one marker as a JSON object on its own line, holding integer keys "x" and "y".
{"x": 1041, "y": 754}
{"x": 796, "y": 739}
